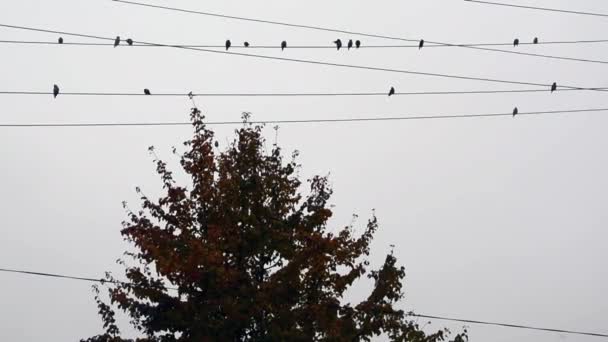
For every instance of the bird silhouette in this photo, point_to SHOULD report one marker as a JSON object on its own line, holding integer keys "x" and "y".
{"x": 516, "y": 42}
{"x": 358, "y": 44}
{"x": 55, "y": 91}
{"x": 228, "y": 44}
{"x": 116, "y": 41}
{"x": 217, "y": 144}
{"x": 283, "y": 45}
{"x": 554, "y": 87}
{"x": 515, "y": 111}
{"x": 190, "y": 95}
{"x": 350, "y": 44}
{"x": 391, "y": 92}
{"x": 60, "y": 40}
{"x": 421, "y": 44}
{"x": 147, "y": 92}
{"x": 246, "y": 44}
{"x": 338, "y": 43}
{"x": 130, "y": 41}
{"x": 535, "y": 41}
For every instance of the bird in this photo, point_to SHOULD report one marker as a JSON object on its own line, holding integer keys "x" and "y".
{"x": 147, "y": 92}
{"x": 246, "y": 44}
{"x": 515, "y": 111}
{"x": 350, "y": 44}
{"x": 283, "y": 45}
{"x": 421, "y": 44}
{"x": 55, "y": 91}
{"x": 228, "y": 43}
{"x": 217, "y": 144}
{"x": 116, "y": 41}
{"x": 516, "y": 42}
{"x": 338, "y": 43}
{"x": 358, "y": 44}
{"x": 60, "y": 40}
{"x": 391, "y": 92}
{"x": 535, "y": 41}
{"x": 554, "y": 87}
{"x": 130, "y": 41}
{"x": 190, "y": 95}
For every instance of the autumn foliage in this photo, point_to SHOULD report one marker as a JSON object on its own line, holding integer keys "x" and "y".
{"x": 239, "y": 254}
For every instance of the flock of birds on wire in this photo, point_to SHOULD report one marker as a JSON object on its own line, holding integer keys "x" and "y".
{"x": 356, "y": 44}
{"x": 338, "y": 42}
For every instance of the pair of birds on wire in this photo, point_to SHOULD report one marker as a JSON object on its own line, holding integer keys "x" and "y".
{"x": 516, "y": 41}
{"x": 56, "y": 91}
{"x": 117, "y": 41}
{"x": 338, "y": 43}
{"x": 391, "y": 92}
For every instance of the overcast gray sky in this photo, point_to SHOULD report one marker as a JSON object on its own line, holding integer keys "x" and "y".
{"x": 495, "y": 219}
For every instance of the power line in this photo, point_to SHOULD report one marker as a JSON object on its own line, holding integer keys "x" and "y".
{"x": 290, "y": 94}
{"x": 298, "y": 121}
{"x": 300, "y": 47}
{"x": 62, "y": 276}
{"x": 538, "y": 8}
{"x": 313, "y": 62}
{"x": 52, "y": 275}
{"x": 505, "y": 325}
{"x": 332, "y": 47}
{"x": 319, "y": 28}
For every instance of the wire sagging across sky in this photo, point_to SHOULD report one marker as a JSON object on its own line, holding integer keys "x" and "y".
{"x": 317, "y": 47}
{"x": 287, "y": 94}
{"x": 313, "y": 62}
{"x": 505, "y": 325}
{"x": 504, "y": 4}
{"x": 304, "y": 121}
{"x": 328, "y": 46}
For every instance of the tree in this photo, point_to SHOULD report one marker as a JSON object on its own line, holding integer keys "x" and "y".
{"x": 241, "y": 255}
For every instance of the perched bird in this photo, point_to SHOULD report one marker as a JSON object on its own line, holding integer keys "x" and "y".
{"x": 130, "y": 41}
{"x": 338, "y": 43}
{"x": 283, "y": 45}
{"x": 350, "y": 44}
{"x": 190, "y": 95}
{"x": 515, "y": 111}
{"x": 217, "y": 144}
{"x": 228, "y": 44}
{"x": 147, "y": 92}
{"x": 516, "y": 42}
{"x": 55, "y": 91}
{"x": 246, "y": 44}
{"x": 116, "y": 41}
{"x": 554, "y": 87}
{"x": 60, "y": 40}
{"x": 421, "y": 44}
{"x": 391, "y": 92}
{"x": 358, "y": 44}
{"x": 535, "y": 41}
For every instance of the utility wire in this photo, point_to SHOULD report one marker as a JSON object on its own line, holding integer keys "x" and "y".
{"x": 319, "y": 28}
{"x": 332, "y": 47}
{"x": 291, "y": 94}
{"x": 299, "y": 121}
{"x": 314, "y": 62}
{"x": 506, "y": 325}
{"x": 62, "y": 276}
{"x": 538, "y": 8}
{"x": 300, "y": 47}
